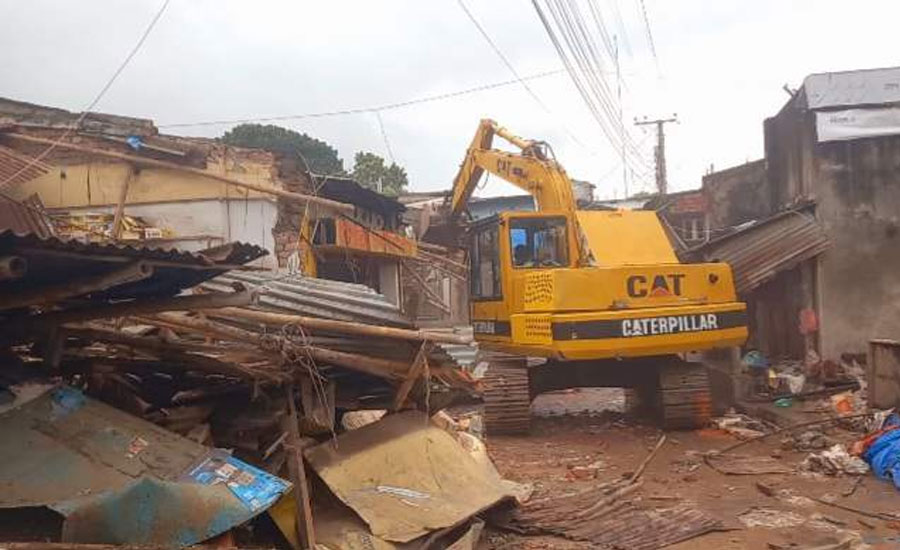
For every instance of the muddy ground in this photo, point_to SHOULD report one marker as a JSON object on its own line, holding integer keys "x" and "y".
{"x": 587, "y": 426}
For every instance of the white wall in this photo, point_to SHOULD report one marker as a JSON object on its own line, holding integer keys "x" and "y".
{"x": 210, "y": 222}
{"x": 389, "y": 280}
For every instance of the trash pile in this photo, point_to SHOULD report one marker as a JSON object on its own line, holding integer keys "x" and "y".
{"x": 160, "y": 397}
{"x": 827, "y": 384}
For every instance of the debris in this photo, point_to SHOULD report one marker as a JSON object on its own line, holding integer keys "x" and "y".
{"x": 853, "y": 487}
{"x": 582, "y": 472}
{"x": 114, "y": 463}
{"x": 610, "y": 521}
{"x": 790, "y": 428}
{"x": 644, "y": 463}
{"x": 603, "y": 515}
{"x": 835, "y": 461}
{"x": 420, "y": 467}
{"x": 745, "y": 465}
{"x": 303, "y": 519}
{"x": 772, "y": 519}
{"x": 809, "y": 440}
{"x": 740, "y": 426}
{"x": 766, "y": 489}
{"x": 352, "y": 420}
{"x": 874, "y": 515}
{"x": 843, "y": 403}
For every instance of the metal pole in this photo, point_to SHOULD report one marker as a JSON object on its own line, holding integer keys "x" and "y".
{"x": 662, "y": 183}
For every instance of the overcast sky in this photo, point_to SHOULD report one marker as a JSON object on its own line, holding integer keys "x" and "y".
{"x": 721, "y": 67}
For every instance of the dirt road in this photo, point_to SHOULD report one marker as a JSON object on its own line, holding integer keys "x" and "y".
{"x": 563, "y": 449}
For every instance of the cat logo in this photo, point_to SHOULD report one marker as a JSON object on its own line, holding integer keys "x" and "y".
{"x": 661, "y": 286}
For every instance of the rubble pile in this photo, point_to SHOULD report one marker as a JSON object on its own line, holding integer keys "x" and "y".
{"x": 181, "y": 380}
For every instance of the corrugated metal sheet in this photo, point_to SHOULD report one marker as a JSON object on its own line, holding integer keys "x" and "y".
{"x": 24, "y": 217}
{"x": 463, "y": 355}
{"x": 341, "y": 301}
{"x": 54, "y": 261}
{"x": 16, "y": 168}
{"x": 843, "y": 89}
{"x": 317, "y": 298}
{"x": 621, "y": 524}
{"x": 760, "y": 251}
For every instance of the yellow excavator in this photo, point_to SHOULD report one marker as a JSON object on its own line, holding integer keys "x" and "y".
{"x": 598, "y": 295}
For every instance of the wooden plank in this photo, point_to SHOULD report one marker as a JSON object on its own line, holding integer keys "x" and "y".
{"x": 415, "y": 371}
{"x": 306, "y": 533}
{"x": 330, "y": 325}
{"x": 120, "y": 206}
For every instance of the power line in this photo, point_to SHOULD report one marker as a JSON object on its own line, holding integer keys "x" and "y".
{"x": 649, "y": 33}
{"x": 364, "y": 110}
{"x": 582, "y": 59}
{"x": 515, "y": 73}
{"x": 96, "y": 99}
{"x": 387, "y": 143}
{"x": 621, "y": 24}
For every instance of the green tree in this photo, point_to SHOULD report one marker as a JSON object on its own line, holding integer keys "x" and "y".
{"x": 370, "y": 170}
{"x": 322, "y": 157}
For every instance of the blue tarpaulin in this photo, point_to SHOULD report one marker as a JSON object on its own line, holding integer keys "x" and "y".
{"x": 883, "y": 455}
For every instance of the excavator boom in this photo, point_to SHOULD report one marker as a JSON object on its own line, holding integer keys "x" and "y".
{"x": 530, "y": 170}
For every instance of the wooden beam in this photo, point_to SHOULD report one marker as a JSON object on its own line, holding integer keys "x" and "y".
{"x": 344, "y": 327}
{"x": 429, "y": 293}
{"x": 120, "y": 205}
{"x": 19, "y": 327}
{"x": 306, "y": 533}
{"x": 382, "y": 368}
{"x": 143, "y": 161}
{"x": 172, "y": 352}
{"x": 415, "y": 371}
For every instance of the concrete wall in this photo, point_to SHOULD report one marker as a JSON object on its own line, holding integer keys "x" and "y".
{"x": 737, "y": 195}
{"x": 856, "y": 186}
{"x": 98, "y": 183}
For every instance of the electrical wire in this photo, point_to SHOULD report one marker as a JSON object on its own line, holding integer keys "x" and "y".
{"x": 387, "y": 143}
{"x": 515, "y": 73}
{"x": 582, "y": 59}
{"x": 94, "y": 102}
{"x": 365, "y": 110}
{"x": 649, "y": 33}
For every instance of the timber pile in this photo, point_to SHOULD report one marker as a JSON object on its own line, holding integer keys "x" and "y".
{"x": 217, "y": 375}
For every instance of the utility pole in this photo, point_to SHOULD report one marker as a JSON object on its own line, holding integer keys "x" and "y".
{"x": 660, "y": 156}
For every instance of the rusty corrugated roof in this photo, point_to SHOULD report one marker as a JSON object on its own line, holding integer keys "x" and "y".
{"x": 24, "y": 217}
{"x": 16, "y": 168}
{"x": 52, "y": 261}
{"x": 758, "y": 252}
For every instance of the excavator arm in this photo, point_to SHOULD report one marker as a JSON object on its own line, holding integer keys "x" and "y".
{"x": 531, "y": 170}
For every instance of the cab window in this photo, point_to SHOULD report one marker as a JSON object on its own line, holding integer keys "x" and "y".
{"x": 485, "y": 264}
{"x": 538, "y": 242}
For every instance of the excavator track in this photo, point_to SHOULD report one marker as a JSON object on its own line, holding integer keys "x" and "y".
{"x": 507, "y": 398}
{"x": 684, "y": 398}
